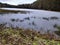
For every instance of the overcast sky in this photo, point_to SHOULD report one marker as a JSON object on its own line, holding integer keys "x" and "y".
{"x": 15, "y": 2}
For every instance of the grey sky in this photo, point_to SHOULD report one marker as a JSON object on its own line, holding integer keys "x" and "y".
{"x": 15, "y": 2}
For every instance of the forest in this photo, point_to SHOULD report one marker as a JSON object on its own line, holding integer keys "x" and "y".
{"x": 53, "y": 5}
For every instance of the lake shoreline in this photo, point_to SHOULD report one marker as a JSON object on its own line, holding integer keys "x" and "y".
{"x": 15, "y": 35}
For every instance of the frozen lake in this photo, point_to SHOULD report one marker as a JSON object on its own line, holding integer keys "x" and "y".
{"x": 33, "y": 19}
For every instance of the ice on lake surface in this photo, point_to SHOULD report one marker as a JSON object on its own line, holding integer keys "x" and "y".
{"x": 36, "y": 19}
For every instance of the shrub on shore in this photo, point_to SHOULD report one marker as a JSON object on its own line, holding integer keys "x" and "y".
{"x": 16, "y": 36}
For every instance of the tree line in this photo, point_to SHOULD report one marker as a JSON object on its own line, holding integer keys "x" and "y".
{"x": 38, "y": 4}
